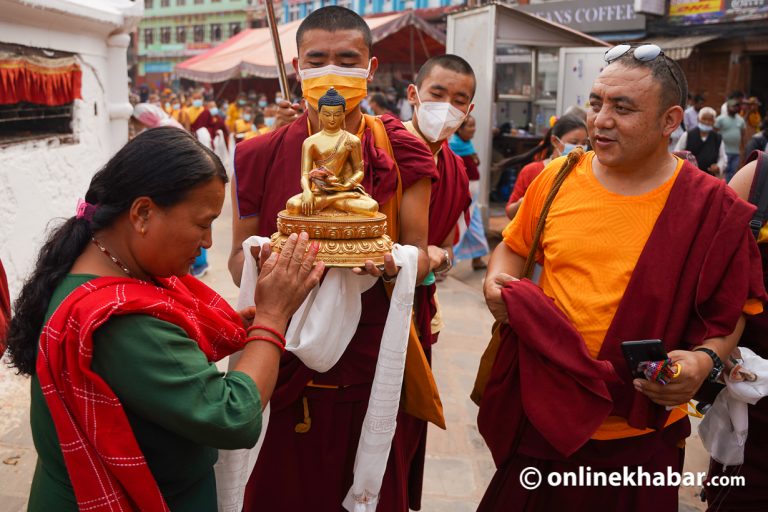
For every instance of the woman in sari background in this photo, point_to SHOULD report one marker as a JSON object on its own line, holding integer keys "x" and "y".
{"x": 128, "y": 408}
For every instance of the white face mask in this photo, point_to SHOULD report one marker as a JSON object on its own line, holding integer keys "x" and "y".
{"x": 437, "y": 120}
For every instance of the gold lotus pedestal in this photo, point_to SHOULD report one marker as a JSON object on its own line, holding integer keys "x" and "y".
{"x": 346, "y": 240}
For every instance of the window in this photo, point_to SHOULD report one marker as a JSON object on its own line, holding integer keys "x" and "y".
{"x": 198, "y": 2}
{"x": 147, "y": 4}
{"x": 293, "y": 12}
{"x": 234, "y": 29}
{"x": 216, "y": 32}
{"x": 165, "y": 3}
{"x": 546, "y": 73}
{"x": 165, "y": 35}
{"x": 27, "y": 114}
{"x": 199, "y": 32}
{"x": 149, "y": 36}
{"x": 25, "y": 121}
{"x": 514, "y": 69}
{"x": 181, "y": 34}
{"x": 181, "y": 3}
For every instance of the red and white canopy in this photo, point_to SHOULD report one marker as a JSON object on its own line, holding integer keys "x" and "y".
{"x": 397, "y": 37}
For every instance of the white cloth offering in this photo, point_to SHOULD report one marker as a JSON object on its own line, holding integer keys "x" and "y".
{"x": 724, "y": 429}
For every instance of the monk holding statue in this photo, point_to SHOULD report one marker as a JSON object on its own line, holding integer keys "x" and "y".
{"x": 333, "y": 207}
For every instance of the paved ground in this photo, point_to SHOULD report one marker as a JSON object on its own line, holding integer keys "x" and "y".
{"x": 458, "y": 466}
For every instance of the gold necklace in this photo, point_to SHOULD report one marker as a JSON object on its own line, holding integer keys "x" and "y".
{"x": 116, "y": 261}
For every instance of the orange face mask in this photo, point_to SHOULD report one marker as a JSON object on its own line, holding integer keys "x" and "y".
{"x": 352, "y": 83}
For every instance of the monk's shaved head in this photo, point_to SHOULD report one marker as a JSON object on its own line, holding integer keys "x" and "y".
{"x": 333, "y": 18}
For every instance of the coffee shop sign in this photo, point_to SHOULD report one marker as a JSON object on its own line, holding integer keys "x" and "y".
{"x": 595, "y": 16}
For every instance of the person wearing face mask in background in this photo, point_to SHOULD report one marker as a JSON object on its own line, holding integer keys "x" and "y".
{"x": 212, "y": 120}
{"x": 235, "y": 110}
{"x": 316, "y": 460}
{"x": 270, "y": 116}
{"x": 244, "y": 125}
{"x": 197, "y": 108}
{"x": 705, "y": 144}
{"x": 567, "y": 133}
{"x": 442, "y": 99}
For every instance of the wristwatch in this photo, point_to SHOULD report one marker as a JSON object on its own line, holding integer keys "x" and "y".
{"x": 717, "y": 364}
{"x": 446, "y": 265}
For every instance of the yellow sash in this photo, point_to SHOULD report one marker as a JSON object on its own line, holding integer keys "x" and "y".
{"x": 420, "y": 397}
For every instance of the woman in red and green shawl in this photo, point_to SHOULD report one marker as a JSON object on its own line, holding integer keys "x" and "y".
{"x": 128, "y": 408}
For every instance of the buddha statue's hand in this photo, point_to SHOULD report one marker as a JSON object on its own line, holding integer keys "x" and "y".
{"x": 307, "y": 202}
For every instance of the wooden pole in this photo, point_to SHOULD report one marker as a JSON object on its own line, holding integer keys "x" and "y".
{"x": 281, "y": 76}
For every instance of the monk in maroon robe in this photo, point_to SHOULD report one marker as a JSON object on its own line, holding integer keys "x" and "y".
{"x": 212, "y": 120}
{"x": 637, "y": 245}
{"x": 307, "y": 458}
{"x": 446, "y": 81}
{"x": 753, "y": 496}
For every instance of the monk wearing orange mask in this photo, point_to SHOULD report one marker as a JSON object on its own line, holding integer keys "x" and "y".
{"x": 307, "y": 458}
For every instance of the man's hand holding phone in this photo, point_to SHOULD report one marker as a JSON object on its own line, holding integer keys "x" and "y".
{"x": 695, "y": 367}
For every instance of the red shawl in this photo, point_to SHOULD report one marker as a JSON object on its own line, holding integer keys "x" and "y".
{"x": 544, "y": 372}
{"x": 5, "y": 308}
{"x": 105, "y": 464}
{"x": 449, "y": 199}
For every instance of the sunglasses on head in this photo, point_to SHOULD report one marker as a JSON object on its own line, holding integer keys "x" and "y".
{"x": 642, "y": 53}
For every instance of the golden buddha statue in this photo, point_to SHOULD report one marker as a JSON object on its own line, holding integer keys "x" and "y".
{"x": 333, "y": 208}
{"x": 332, "y": 166}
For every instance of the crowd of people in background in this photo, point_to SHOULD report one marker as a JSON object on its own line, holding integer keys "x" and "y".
{"x": 721, "y": 143}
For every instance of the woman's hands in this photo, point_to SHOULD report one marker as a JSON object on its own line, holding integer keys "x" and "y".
{"x": 286, "y": 279}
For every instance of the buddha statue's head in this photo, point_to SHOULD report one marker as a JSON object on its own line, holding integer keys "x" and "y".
{"x": 331, "y": 109}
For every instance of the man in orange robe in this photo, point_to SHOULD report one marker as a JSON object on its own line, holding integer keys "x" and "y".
{"x": 638, "y": 244}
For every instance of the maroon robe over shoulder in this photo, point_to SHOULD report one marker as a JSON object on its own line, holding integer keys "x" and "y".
{"x": 313, "y": 470}
{"x": 450, "y": 198}
{"x": 696, "y": 271}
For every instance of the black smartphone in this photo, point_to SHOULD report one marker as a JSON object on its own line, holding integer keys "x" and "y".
{"x": 636, "y": 352}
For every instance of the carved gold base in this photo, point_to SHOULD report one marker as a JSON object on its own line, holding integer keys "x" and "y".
{"x": 346, "y": 240}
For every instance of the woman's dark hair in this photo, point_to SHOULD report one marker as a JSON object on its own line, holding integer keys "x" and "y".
{"x": 565, "y": 124}
{"x": 161, "y": 163}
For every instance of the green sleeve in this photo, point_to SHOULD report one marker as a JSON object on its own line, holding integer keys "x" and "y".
{"x": 161, "y": 375}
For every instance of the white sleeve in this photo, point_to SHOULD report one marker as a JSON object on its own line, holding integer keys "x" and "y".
{"x": 682, "y": 142}
{"x": 722, "y": 160}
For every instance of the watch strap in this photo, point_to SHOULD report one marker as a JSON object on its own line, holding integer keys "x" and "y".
{"x": 717, "y": 363}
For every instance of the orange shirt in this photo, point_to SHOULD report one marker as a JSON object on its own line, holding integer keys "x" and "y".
{"x": 591, "y": 243}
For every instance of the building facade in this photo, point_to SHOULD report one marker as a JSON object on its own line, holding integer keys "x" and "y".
{"x": 175, "y": 30}
{"x": 298, "y": 9}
